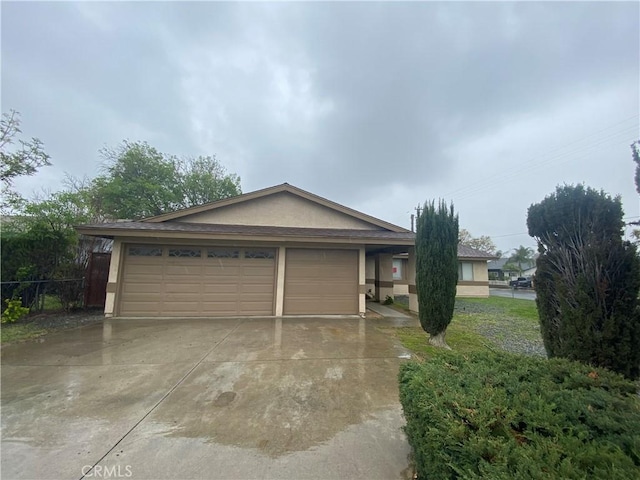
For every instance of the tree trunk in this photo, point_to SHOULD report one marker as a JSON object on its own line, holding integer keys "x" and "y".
{"x": 438, "y": 340}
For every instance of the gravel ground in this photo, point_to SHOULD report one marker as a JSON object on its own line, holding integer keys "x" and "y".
{"x": 55, "y": 321}
{"x": 509, "y": 333}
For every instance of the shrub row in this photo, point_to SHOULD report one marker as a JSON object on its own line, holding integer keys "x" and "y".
{"x": 502, "y": 416}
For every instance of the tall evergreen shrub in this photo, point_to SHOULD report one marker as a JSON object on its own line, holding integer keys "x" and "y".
{"x": 436, "y": 268}
{"x": 587, "y": 279}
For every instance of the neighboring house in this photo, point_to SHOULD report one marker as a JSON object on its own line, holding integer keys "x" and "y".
{"x": 498, "y": 272}
{"x": 276, "y": 251}
{"x": 473, "y": 279}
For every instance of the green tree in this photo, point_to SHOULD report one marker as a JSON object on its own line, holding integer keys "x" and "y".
{"x": 482, "y": 243}
{"x": 436, "y": 269}
{"x": 204, "y": 180}
{"x": 521, "y": 256}
{"x": 139, "y": 181}
{"x": 24, "y": 160}
{"x": 588, "y": 279}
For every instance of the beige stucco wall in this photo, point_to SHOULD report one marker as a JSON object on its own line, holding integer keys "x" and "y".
{"x": 370, "y": 275}
{"x": 112, "y": 284}
{"x": 472, "y": 291}
{"x": 399, "y": 289}
{"x": 480, "y": 271}
{"x": 480, "y": 274}
{"x": 281, "y": 210}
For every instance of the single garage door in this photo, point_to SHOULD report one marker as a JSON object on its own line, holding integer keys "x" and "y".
{"x": 322, "y": 282}
{"x": 190, "y": 281}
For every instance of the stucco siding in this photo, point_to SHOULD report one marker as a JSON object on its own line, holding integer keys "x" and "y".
{"x": 472, "y": 290}
{"x": 280, "y": 210}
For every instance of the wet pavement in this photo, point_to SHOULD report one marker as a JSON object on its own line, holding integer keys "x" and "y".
{"x": 206, "y": 398}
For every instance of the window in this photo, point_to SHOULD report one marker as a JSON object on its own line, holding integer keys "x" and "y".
{"x": 222, "y": 253}
{"x": 145, "y": 252}
{"x": 465, "y": 271}
{"x": 397, "y": 269}
{"x": 259, "y": 254}
{"x": 185, "y": 252}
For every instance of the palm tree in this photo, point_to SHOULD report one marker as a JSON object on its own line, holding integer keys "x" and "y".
{"x": 522, "y": 255}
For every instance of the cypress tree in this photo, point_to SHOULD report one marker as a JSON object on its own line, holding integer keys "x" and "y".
{"x": 587, "y": 280}
{"x": 436, "y": 269}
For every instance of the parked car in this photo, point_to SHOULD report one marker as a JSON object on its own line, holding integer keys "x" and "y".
{"x": 521, "y": 282}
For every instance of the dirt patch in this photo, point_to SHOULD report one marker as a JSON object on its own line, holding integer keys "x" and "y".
{"x": 37, "y": 325}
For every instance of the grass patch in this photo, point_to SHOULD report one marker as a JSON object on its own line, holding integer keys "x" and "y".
{"x": 483, "y": 324}
{"x": 20, "y": 331}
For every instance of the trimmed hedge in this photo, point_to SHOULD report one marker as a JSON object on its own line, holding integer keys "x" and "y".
{"x": 502, "y": 416}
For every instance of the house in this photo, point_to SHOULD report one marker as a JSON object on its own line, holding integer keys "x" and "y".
{"x": 497, "y": 269}
{"x": 277, "y": 251}
{"x": 473, "y": 279}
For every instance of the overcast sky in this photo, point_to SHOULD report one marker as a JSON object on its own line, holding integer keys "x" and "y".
{"x": 378, "y": 106}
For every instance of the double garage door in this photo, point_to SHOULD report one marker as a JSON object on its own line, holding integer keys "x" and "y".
{"x": 176, "y": 281}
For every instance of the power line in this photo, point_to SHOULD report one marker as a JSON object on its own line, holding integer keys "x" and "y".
{"x": 474, "y": 187}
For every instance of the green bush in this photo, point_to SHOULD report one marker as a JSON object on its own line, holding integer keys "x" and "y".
{"x": 502, "y": 416}
{"x": 14, "y": 310}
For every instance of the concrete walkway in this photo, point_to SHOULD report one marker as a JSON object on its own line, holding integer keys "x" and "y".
{"x": 386, "y": 311}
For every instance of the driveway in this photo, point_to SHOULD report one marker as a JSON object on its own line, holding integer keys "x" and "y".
{"x": 206, "y": 398}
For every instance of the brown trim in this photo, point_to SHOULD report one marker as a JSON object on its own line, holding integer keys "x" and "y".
{"x": 404, "y": 281}
{"x": 412, "y": 289}
{"x": 472, "y": 283}
{"x": 370, "y": 281}
{"x": 362, "y": 289}
{"x": 134, "y": 236}
{"x": 383, "y": 284}
{"x": 285, "y": 187}
{"x": 112, "y": 287}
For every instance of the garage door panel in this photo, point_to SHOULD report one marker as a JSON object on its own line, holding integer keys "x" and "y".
{"x": 144, "y": 270}
{"x": 257, "y": 290}
{"x": 188, "y": 270}
{"x": 197, "y": 286}
{"x": 218, "y": 270}
{"x": 226, "y": 289}
{"x": 321, "y": 282}
{"x": 144, "y": 288}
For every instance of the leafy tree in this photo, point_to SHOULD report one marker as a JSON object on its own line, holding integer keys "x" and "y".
{"x": 204, "y": 180}
{"x": 521, "y": 256}
{"x": 140, "y": 181}
{"x": 23, "y": 161}
{"x": 436, "y": 269}
{"x": 588, "y": 279}
{"x": 482, "y": 243}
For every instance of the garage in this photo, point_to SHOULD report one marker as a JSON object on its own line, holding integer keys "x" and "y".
{"x": 321, "y": 281}
{"x": 197, "y": 281}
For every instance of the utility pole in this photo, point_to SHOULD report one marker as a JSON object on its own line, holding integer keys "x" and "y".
{"x": 412, "y": 219}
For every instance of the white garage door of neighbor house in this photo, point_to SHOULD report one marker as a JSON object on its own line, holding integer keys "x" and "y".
{"x": 196, "y": 281}
{"x": 321, "y": 282}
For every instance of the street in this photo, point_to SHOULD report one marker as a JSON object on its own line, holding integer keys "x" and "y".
{"x": 511, "y": 293}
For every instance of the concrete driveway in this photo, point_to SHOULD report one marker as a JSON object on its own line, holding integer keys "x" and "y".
{"x": 206, "y": 398}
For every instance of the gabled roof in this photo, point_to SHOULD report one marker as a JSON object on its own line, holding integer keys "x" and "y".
{"x": 285, "y": 187}
{"x": 345, "y": 235}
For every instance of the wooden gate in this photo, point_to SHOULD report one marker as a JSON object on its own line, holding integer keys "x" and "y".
{"x": 97, "y": 276}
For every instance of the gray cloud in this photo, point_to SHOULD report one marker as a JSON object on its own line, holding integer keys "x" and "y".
{"x": 376, "y": 105}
